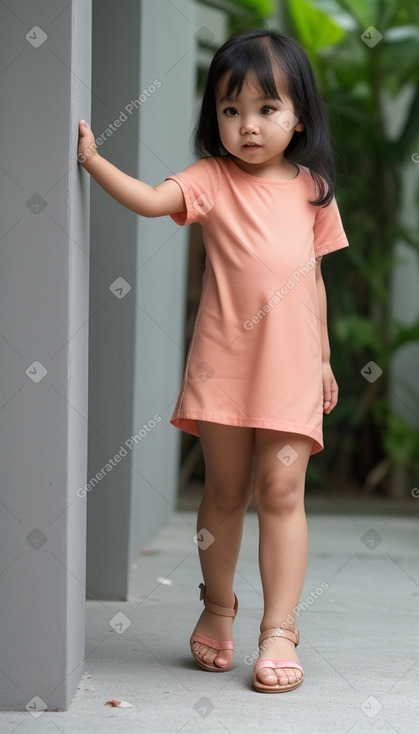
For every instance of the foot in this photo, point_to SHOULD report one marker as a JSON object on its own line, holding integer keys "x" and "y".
{"x": 220, "y": 628}
{"x": 279, "y": 648}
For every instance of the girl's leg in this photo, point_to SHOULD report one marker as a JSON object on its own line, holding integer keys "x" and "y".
{"x": 279, "y": 498}
{"x": 229, "y": 456}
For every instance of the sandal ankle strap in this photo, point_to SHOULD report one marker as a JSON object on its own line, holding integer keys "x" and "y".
{"x": 279, "y": 632}
{"x": 216, "y": 608}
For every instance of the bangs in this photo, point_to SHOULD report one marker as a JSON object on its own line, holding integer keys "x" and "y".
{"x": 254, "y": 59}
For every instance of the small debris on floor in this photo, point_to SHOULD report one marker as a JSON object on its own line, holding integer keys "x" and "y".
{"x": 121, "y": 704}
{"x": 165, "y": 582}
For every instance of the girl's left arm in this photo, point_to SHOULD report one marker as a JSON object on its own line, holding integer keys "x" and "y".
{"x": 330, "y": 386}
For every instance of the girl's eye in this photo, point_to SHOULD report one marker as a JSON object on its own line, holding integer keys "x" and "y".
{"x": 230, "y": 112}
{"x": 267, "y": 110}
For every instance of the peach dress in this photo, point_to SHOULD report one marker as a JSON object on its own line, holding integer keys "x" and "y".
{"x": 255, "y": 355}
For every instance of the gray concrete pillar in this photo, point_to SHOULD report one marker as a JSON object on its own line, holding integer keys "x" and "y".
{"x": 142, "y": 113}
{"x": 44, "y": 88}
{"x": 115, "y": 79}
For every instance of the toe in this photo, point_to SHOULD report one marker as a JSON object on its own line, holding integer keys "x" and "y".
{"x": 267, "y": 676}
{"x": 208, "y": 655}
{"x": 202, "y": 652}
{"x": 197, "y": 648}
{"x": 223, "y": 659}
{"x": 287, "y": 676}
{"x": 283, "y": 679}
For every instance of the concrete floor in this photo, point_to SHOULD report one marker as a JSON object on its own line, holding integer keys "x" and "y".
{"x": 359, "y": 641}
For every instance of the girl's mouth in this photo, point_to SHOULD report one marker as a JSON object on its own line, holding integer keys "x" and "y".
{"x": 251, "y": 146}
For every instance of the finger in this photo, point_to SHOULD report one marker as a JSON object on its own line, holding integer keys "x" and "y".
{"x": 327, "y": 396}
{"x": 83, "y": 128}
{"x": 334, "y": 395}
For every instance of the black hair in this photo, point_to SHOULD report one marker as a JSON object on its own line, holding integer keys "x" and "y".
{"x": 253, "y": 51}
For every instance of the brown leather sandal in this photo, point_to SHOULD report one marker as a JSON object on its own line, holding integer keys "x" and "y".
{"x": 264, "y": 687}
{"x": 210, "y": 641}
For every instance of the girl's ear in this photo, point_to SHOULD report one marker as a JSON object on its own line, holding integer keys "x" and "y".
{"x": 299, "y": 127}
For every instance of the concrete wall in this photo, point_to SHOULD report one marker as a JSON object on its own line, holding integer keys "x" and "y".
{"x": 143, "y": 66}
{"x": 136, "y": 325}
{"x": 166, "y": 120}
{"x": 115, "y": 65}
{"x": 44, "y": 88}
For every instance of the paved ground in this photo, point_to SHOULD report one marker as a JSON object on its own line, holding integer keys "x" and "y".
{"x": 359, "y": 646}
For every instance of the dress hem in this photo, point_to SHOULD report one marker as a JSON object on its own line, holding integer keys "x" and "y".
{"x": 189, "y": 425}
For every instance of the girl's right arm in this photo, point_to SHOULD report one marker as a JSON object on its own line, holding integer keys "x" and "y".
{"x": 148, "y": 201}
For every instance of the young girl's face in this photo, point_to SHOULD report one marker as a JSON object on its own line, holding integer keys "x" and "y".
{"x": 254, "y": 129}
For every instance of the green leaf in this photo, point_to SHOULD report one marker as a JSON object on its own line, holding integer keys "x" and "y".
{"x": 316, "y": 29}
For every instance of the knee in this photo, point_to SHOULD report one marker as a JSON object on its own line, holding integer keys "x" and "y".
{"x": 227, "y": 499}
{"x": 278, "y": 494}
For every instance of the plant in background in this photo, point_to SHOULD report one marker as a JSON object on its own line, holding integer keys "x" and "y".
{"x": 366, "y": 57}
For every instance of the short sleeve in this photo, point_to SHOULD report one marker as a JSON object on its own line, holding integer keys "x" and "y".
{"x": 199, "y": 184}
{"x": 329, "y": 234}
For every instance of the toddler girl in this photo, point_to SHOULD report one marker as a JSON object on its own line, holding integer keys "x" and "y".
{"x": 257, "y": 378}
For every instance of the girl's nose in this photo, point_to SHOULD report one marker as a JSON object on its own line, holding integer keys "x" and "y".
{"x": 249, "y": 125}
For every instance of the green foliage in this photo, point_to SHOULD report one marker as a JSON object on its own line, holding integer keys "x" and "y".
{"x": 261, "y": 7}
{"x": 369, "y": 79}
{"x": 316, "y": 28}
{"x": 247, "y": 14}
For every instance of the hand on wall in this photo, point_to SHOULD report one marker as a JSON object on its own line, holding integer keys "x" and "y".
{"x": 86, "y": 145}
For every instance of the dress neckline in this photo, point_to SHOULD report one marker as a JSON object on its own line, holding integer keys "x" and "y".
{"x": 261, "y": 179}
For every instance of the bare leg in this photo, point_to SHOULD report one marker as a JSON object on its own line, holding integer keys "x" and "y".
{"x": 229, "y": 457}
{"x": 279, "y": 498}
